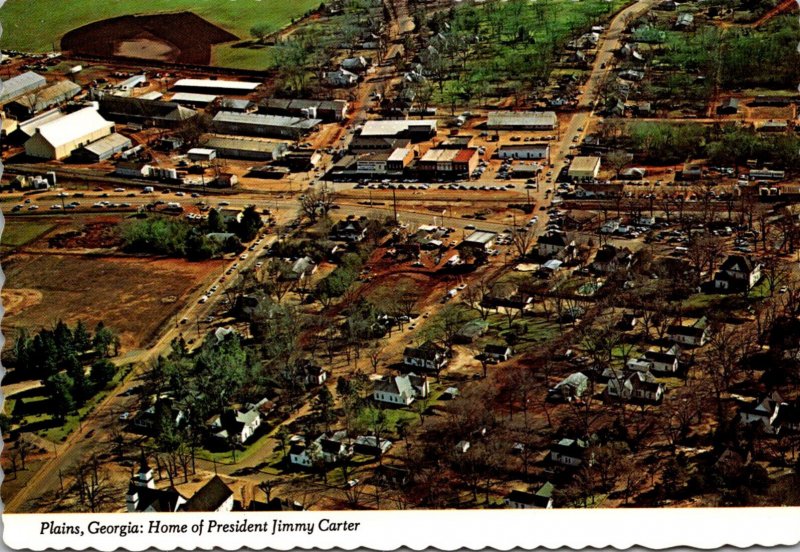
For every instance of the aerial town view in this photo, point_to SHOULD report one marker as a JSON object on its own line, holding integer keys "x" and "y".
{"x": 400, "y": 254}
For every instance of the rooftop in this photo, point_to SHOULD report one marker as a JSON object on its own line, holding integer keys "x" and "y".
{"x": 73, "y": 126}
{"x": 191, "y": 97}
{"x": 16, "y": 86}
{"x": 265, "y": 120}
{"x": 522, "y": 118}
{"x": 481, "y": 236}
{"x": 219, "y": 84}
{"x": 113, "y": 141}
{"x": 584, "y": 163}
{"x": 394, "y": 127}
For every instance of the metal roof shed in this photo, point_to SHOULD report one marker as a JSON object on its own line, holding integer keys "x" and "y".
{"x": 19, "y": 85}
{"x": 104, "y": 148}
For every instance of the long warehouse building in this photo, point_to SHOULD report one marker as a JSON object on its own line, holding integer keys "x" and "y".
{"x": 15, "y": 87}
{"x": 59, "y": 138}
{"x": 252, "y": 124}
{"x": 246, "y": 148}
{"x": 212, "y": 86}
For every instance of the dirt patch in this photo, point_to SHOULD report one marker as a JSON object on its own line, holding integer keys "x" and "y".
{"x": 17, "y": 300}
{"x": 174, "y": 37}
{"x": 147, "y": 48}
{"x": 92, "y": 236}
{"x": 134, "y": 296}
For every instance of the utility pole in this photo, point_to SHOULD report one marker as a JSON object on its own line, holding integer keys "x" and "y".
{"x": 394, "y": 202}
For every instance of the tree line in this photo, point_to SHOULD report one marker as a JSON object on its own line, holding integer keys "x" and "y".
{"x": 176, "y": 237}
{"x": 58, "y": 357}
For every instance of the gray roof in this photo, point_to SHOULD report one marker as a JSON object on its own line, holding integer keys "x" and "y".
{"x": 16, "y": 86}
{"x": 398, "y": 385}
{"x": 54, "y": 93}
{"x": 257, "y": 119}
{"x": 296, "y": 104}
{"x": 238, "y": 105}
{"x": 243, "y": 144}
{"x": 578, "y": 379}
{"x": 209, "y": 498}
{"x": 112, "y": 142}
{"x": 481, "y": 236}
{"x": 522, "y": 118}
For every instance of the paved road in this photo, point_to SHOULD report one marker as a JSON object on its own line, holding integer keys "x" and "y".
{"x": 601, "y": 70}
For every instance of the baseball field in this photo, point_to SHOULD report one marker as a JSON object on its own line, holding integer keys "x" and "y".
{"x": 39, "y": 26}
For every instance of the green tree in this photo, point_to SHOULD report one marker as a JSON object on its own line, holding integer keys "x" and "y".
{"x": 260, "y": 32}
{"x": 323, "y": 407}
{"x": 81, "y": 338}
{"x": 81, "y": 389}
{"x": 102, "y": 373}
{"x": 215, "y": 222}
{"x": 59, "y": 389}
{"x": 105, "y": 341}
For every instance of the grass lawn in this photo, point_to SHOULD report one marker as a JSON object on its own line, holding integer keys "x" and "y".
{"x": 34, "y": 416}
{"x": 35, "y": 26}
{"x": 393, "y": 416}
{"x": 535, "y": 330}
{"x": 243, "y": 57}
{"x": 19, "y": 233}
{"x": 225, "y": 456}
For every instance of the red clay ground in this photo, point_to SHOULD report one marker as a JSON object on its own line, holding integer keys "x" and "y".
{"x": 174, "y": 37}
{"x": 134, "y": 296}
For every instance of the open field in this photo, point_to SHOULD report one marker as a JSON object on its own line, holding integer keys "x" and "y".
{"x": 19, "y": 233}
{"x": 37, "y": 26}
{"x": 134, "y": 296}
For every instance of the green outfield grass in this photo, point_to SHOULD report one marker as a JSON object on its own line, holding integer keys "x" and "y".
{"x": 36, "y": 26}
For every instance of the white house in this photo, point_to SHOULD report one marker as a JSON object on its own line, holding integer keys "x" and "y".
{"x": 570, "y": 452}
{"x": 695, "y": 335}
{"x": 329, "y": 448}
{"x": 638, "y": 386}
{"x": 400, "y": 390}
{"x": 764, "y": 411}
{"x": 737, "y": 272}
{"x": 237, "y": 424}
{"x": 342, "y": 77}
{"x": 667, "y": 362}
{"x": 427, "y": 356}
{"x": 553, "y": 243}
{"x": 543, "y": 498}
{"x": 498, "y": 353}
{"x": 314, "y": 375}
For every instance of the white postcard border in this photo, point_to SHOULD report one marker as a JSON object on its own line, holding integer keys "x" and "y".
{"x": 415, "y": 529}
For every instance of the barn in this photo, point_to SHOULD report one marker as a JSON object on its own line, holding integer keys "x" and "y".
{"x": 59, "y": 138}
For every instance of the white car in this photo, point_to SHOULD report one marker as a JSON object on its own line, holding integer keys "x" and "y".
{"x": 243, "y": 256}
{"x": 203, "y": 299}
